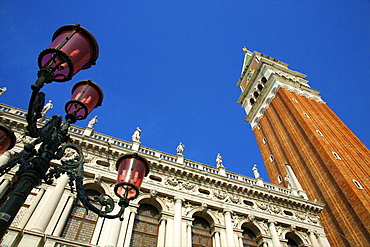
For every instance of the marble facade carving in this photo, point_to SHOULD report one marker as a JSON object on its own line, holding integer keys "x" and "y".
{"x": 180, "y": 192}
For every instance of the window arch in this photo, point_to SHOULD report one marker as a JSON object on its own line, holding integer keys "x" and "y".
{"x": 146, "y": 224}
{"x": 249, "y": 238}
{"x": 201, "y": 233}
{"x": 81, "y": 224}
{"x": 293, "y": 240}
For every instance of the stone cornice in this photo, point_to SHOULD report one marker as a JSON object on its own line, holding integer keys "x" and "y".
{"x": 196, "y": 179}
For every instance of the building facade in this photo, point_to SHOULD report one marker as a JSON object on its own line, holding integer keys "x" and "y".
{"x": 181, "y": 202}
{"x": 293, "y": 125}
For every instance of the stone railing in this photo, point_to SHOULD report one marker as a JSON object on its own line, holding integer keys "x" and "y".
{"x": 155, "y": 153}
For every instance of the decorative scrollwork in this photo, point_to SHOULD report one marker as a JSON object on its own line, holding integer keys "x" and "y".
{"x": 106, "y": 202}
{"x": 188, "y": 186}
{"x": 219, "y": 194}
{"x": 234, "y": 198}
{"x": 172, "y": 182}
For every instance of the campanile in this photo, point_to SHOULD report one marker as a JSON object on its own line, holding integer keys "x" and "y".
{"x": 292, "y": 124}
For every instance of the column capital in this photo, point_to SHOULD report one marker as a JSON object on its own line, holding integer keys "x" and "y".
{"x": 226, "y": 210}
{"x": 178, "y": 199}
{"x": 320, "y": 234}
{"x": 271, "y": 221}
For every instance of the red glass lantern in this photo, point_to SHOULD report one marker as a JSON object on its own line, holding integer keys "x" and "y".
{"x": 7, "y": 138}
{"x": 73, "y": 48}
{"x": 86, "y": 95}
{"x": 132, "y": 169}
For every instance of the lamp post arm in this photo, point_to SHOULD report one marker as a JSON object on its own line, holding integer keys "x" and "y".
{"x": 33, "y": 167}
{"x": 106, "y": 202}
{"x": 37, "y": 101}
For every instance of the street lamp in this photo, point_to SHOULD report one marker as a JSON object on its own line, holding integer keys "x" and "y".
{"x": 72, "y": 49}
{"x": 7, "y": 138}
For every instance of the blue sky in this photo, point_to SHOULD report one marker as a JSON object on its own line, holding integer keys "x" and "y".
{"x": 170, "y": 67}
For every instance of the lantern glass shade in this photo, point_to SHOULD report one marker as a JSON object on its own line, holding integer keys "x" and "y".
{"x": 73, "y": 48}
{"x": 86, "y": 95}
{"x": 7, "y": 139}
{"x": 131, "y": 171}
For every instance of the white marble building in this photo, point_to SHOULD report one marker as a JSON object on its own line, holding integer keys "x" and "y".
{"x": 181, "y": 203}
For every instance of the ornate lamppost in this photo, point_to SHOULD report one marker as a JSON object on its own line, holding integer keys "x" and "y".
{"x": 73, "y": 48}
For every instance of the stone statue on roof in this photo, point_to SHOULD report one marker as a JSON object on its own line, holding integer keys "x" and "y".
{"x": 219, "y": 161}
{"x": 137, "y": 134}
{"x": 180, "y": 148}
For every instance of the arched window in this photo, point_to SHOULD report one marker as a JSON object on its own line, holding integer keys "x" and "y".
{"x": 81, "y": 223}
{"x": 145, "y": 232}
{"x": 293, "y": 240}
{"x": 201, "y": 233}
{"x": 249, "y": 238}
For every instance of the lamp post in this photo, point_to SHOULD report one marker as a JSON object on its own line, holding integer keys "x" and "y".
{"x": 73, "y": 48}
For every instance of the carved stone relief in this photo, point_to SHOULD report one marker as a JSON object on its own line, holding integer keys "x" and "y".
{"x": 188, "y": 186}
{"x": 187, "y": 208}
{"x": 275, "y": 209}
{"x": 301, "y": 216}
{"x": 234, "y": 198}
{"x": 219, "y": 216}
{"x": 172, "y": 182}
{"x": 262, "y": 206}
{"x": 219, "y": 194}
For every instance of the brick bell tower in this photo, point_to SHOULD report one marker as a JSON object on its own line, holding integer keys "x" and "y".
{"x": 293, "y": 125}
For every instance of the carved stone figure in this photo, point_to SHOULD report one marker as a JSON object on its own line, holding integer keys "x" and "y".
{"x": 172, "y": 182}
{"x": 168, "y": 202}
{"x": 287, "y": 178}
{"x": 46, "y": 108}
{"x": 255, "y": 172}
{"x": 219, "y": 194}
{"x": 153, "y": 192}
{"x": 137, "y": 134}
{"x": 187, "y": 208}
{"x": 234, "y": 198}
{"x": 93, "y": 121}
{"x": 180, "y": 148}
{"x": 219, "y": 161}
{"x": 188, "y": 186}
{"x": 2, "y": 90}
{"x": 262, "y": 206}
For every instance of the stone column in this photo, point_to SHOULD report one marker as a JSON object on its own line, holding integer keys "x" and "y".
{"x": 188, "y": 233}
{"x": 64, "y": 216}
{"x": 323, "y": 241}
{"x": 4, "y": 186}
{"x": 44, "y": 219}
{"x": 31, "y": 209}
{"x": 5, "y": 157}
{"x": 123, "y": 230}
{"x": 97, "y": 230}
{"x": 238, "y": 239}
{"x": 177, "y": 241}
{"x": 229, "y": 228}
{"x": 313, "y": 240}
{"x": 217, "y": 240}
{"x": 130, "y": 227}
{"x": 169, "y": 232}
{"x": 275, "y": 237}
{"x": 161, "y": 232}
{"x": 54, "y": 221}
{"x": 39, "y": 207}
{"x": 113, "y": 229}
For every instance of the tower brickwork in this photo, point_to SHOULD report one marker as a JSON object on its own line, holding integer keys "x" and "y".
{"x": 293, "y": 124}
